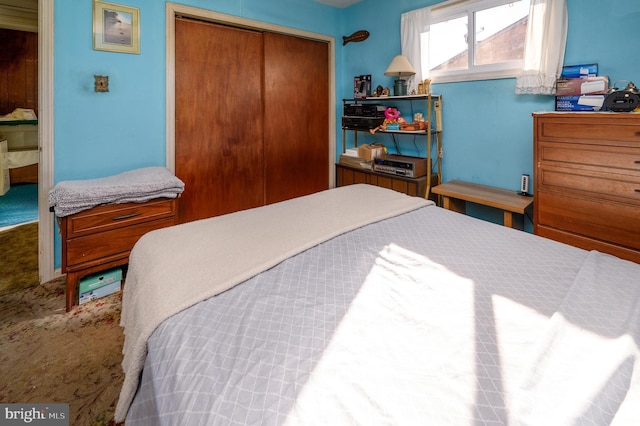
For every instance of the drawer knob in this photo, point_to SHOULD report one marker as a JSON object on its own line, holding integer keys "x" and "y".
{"x": 126, "y": 216}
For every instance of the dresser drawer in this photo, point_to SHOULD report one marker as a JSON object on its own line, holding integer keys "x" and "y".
{"x": 114, "y": 216}
{"x": 616, "y": 223}
{"x": 610, "y": 129}
{"x": 114, "y": 242}
{"x": 595, "y": 184}
{"x": 613, "y": 159}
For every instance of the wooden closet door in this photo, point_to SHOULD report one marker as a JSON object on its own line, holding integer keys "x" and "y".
{"x": 296, "y": 126}
{"x": 218, "y": 128}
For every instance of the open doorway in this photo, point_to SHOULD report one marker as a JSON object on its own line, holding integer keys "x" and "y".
{"x": 18, "y": 123}
{"x": 19, "y": 143}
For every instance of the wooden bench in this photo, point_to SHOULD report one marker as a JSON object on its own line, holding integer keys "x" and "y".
{"x": 455, "y": 195}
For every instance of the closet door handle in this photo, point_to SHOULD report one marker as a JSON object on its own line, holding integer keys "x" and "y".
{"x": 126, "y": 216}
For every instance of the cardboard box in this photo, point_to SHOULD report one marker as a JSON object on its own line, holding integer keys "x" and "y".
{"x": 103, "y": 291}
{"x": 356, "y": 162}
{"x": 579, "y": 103}
{"x": 368, "y": 152}
{"x": 101, "y": 279}
{"x": 582, "y": 86}
{"x": 580, "y": 71}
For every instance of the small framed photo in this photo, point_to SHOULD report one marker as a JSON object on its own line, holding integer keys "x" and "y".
{"x": 116, "y": 28}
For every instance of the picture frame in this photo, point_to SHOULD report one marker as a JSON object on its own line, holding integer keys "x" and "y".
{"x": 362, "y": 86}
{"x": 116, "y": 28}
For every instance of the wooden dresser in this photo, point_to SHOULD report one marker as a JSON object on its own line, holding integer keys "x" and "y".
{"x": 587, "y": 180}
{"x": 102, "y": 237}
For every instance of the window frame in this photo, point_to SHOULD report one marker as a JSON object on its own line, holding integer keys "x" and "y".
{"x": 453, "y": 9}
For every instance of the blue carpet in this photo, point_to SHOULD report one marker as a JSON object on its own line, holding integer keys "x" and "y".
{"x": 19, "y": 204}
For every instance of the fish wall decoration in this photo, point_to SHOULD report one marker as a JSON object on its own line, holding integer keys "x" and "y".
{"x": 356, "y": 37}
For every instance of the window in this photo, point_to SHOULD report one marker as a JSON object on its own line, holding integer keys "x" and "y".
{"x": 474, "y": 40}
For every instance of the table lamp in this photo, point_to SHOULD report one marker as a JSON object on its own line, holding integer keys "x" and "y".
{"x": 399, "y": 67}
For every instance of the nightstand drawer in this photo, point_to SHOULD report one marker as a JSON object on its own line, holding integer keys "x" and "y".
{"x": 114, "y": 216}
{"x": 101, "y": 246}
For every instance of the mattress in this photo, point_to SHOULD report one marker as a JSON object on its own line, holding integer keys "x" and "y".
{"x": 427, "y": 317}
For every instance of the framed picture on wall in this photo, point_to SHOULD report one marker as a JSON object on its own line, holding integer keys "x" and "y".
{"x": 116, "y": 28}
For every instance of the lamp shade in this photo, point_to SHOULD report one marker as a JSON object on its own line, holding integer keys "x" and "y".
{"x": 400, "y": 66}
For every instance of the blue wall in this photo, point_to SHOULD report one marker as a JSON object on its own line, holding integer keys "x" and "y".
{"x": 488, "y": 134}
{"x": 99, "y": 134}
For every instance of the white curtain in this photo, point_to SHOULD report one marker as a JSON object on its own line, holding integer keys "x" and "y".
{"x": 412, "y": 25}
{"x": 544, "y": 47}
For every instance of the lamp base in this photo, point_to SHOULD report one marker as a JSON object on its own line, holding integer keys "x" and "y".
{"x": 400, "y": 88}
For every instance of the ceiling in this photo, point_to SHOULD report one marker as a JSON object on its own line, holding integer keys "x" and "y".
{"x": 21, "y": 4}
{"x": 19, "y": 15}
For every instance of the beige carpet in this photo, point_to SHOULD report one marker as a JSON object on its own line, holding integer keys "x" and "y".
{"x": 50, "y": 356}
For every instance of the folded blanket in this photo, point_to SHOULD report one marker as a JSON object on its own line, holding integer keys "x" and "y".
{"x": 135, "y": 186}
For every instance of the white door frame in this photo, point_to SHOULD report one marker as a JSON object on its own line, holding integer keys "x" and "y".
{"x": 173, "y": 9}
{"x": 46, "y": 227}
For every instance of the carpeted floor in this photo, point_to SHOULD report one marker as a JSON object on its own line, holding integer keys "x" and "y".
{"x": 50, "y": 356}
{"x": 19, "y": 259}
{"x": 19, "y": 204}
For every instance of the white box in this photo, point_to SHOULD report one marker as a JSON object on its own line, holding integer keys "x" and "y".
{"x": 582, "y": 86}
{"x": 100, "y": 292}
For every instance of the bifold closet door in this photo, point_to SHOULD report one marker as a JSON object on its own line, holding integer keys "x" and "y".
{"x": 296, "y": 117}
{"x": 218, "y": 129}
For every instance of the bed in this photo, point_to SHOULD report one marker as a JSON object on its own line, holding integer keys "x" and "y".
{"x": 361, "y": 305}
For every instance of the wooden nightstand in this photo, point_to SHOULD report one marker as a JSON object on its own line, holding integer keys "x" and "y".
{"x": 102, "y": 237}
